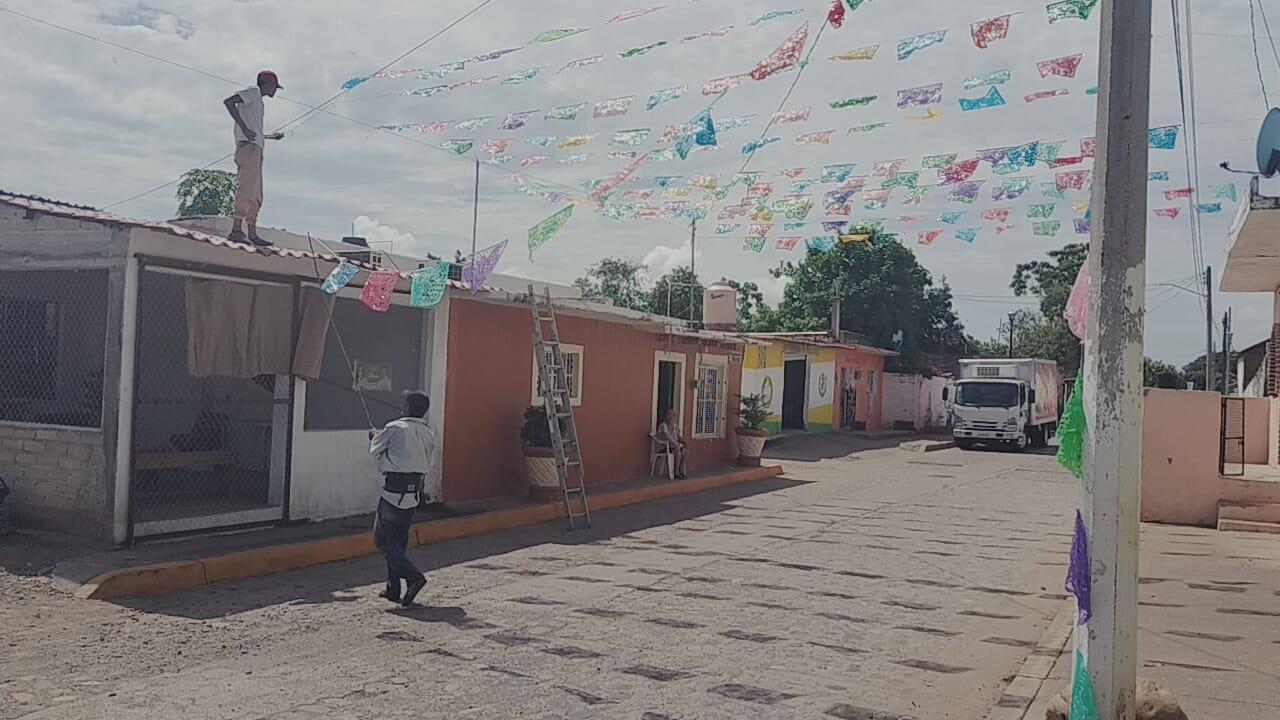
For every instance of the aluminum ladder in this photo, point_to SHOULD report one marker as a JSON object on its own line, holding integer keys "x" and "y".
{"x": 554, "y": 380}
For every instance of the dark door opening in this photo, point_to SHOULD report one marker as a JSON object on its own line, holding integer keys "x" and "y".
{"x": 668, "y": 386}
{"x": 794, "y": 376}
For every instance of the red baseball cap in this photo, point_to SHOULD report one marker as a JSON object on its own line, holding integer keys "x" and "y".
{"x": 270, "y": 75}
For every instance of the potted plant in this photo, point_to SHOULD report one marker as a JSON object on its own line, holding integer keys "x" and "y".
{"x": 752, "y": 414}
{"x": 539, "y": 457}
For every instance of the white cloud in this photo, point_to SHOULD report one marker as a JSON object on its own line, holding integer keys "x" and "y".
{"x": 379, "y": 235}
{"x": 662, "y": 259}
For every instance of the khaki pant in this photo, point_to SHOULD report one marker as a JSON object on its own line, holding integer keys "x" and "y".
{"x": 248, "y": 182}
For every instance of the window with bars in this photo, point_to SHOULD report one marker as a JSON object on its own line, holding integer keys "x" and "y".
{"x": 709, "y": 403}
{"x": 572, "y": 355}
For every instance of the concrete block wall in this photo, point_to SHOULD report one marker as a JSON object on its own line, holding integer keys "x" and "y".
{"x": 57, "y": 478}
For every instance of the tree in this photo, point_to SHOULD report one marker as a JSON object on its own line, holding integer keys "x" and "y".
{"x": 1051, "y": 281}
{"x": 677, "y": 294}
{"x": 206, "y": 192}
{"x": 883, "y": 290}
{"x": 1160, "y": 374}
{"x": 1193, "y": 372}
{"x": 615, "y": 279}
{"x": 1033, "y": 337}
{"x": 754, "y": 314}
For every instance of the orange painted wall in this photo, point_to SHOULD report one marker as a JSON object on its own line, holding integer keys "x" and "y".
{"x": 868, "y": 406}
{"x": 490, "y": 371}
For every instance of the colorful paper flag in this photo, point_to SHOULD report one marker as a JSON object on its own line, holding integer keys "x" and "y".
{"x": 866, "y": 52}
{"x": 996, "y": 214}
{"x": 613, "y": 107}
{"x": 1044, "y": 210}
{"x": 950, "y": 218}
{"x": 515, "y": 121}
{"x": 354, "y": 82}
{"x": 958, "y": 172}
{"x": 1079, "y": 581}
{"x": 785, "y": 56}
{"x": 494, "y": 55}
{"x": 759, "y": 229}
{"x": 866, "y": 128}
{"x": 473, "y": 82}
{"x": 835, "y": 16}
{"x": 459, "y": 147}
{"x": 967, "y": 234}
{"x": 1177, "y": 194}
{"x": 726, "y": 228}
{"x": 665, "y": 95}
{"x": 581, "y": 62}
{"x": 557, "y": 34}
{"x": 834, "y": 225}
{"x": 993, "y": 98}
{"x": 987, "y": 31}
{"x": 1072, "y": 179}
{"x": 862, "y": 101}
{"x": 339, "y": 277}
{"x": 855, "y": 238}
{"x": 633, "y": 14}
{"x": 542, "y": 232}
{"x": 1047, "y": 228}
{"x": 821, "y": 243}
{"x": 721, "y": 32}
{"x": 1170, "y": 213}
{"x": 426, "y": 92}
{"x": 920, "y": 96}
{"x": 755, "y": 145}
{"x": 819, "y": 138}
{"x": 792, "y": 116}
{"x": 876, "y": 199}
{"x": 917, "y": 194}
{"x": 716, "y": 86}
{"x": 914, "y": 44}
{"x": 1160, "y": 176}
{"x": 927, "y": 237}
{"x": 903, "y": 179}
{"x": 1069, "y": 10}
{"x": 1088, "y": 147}
{"x": 995, "y": 77}
{"x": 774, "y": 15}
{"x": 521, "y": 77}
{"x": 788, "y": 243}
{"x": 754, "y": 244}
{"x": 474, "y": 123}
{"x": 1163, "y": 138}
{"x": 931, "y": 113}
{"x": 378, "y": 289}
{"x": 1051, "y": 190}
{"x": 966, "y": 192}
{"x": 496, "y": 146}
{"x": 1065, "y": 66}
{"x": 635, "y": 51}
{"x": 532, "y": 160}
{"x": 577, "y": 140}
{"x": 1082, "y": 225}
{"x": 1208, "y": 208}
{"x": 1223, "y": 191}
{"x": 836, "y": 173}
{"x": 933, "y": 162}
{"x": 1046, "y": 94}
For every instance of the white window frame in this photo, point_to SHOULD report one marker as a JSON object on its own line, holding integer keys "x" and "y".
{"x": 575, "y": 383}
{"x": 721, "y": 364}
{"x": 680, "y": 359}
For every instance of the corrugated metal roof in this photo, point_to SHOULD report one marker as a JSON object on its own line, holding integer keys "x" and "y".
{"x": 820, "y": 339}
{"x": 84, "y": 213}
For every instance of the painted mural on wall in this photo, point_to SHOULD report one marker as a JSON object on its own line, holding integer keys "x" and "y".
{"x": 763, "y": 373}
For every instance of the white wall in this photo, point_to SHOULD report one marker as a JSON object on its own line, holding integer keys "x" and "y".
{"x": 901, "y": 399}
{"x": 821, "y": 387}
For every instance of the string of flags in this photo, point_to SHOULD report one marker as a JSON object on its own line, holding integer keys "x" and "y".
{"x": 427, "y": 287}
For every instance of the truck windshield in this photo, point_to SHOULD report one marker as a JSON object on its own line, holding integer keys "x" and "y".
{"x": 987, "y": 394}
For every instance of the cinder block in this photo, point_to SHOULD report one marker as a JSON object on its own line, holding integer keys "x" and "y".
{"x": 27, "y": 459}
{"x": 69, "y": 463}
{"x": 34, "y": 446}
{"x": 46, "y": 434}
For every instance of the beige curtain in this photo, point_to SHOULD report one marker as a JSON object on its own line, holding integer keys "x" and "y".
{"x": 239, "y": 330}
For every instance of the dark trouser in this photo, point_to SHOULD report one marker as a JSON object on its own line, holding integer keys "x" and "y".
{"x": 391, "y": 535}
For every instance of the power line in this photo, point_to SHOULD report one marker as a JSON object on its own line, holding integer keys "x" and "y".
{"x": 1262, "y": 10}
{"x": 1197, "y": 249}
{"x": 1257, "y": 61}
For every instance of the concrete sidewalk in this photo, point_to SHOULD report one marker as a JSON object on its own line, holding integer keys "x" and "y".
{"x": 165, "y": 566}
{"x": 1208, "y": 621}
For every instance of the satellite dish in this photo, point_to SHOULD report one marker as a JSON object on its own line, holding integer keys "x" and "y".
{"x": 1269, "y": 144}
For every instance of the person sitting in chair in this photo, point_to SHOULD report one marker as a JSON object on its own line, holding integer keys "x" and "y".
{"x": 669, "y": 433}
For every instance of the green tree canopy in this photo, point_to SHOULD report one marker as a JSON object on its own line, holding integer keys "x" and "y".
{"x": 1033, "y": 337}
{"x": 884, "y": 291}
{"x": 754, "y": 314}
{"x": 1051, "y": 280}
{"x": 616, "y": 279}
{"x": 206, "y": 192}
{"x": 677, "y": 294}
{"x": 1160, "y": 374}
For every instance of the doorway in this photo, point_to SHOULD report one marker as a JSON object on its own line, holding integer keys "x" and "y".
{"x": 795, "y": 375}
{"x": 668, "y": 372}
{"x": 848, "y": 400}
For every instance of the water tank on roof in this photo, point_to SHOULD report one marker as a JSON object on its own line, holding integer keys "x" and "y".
{"x": 720, "y": 306}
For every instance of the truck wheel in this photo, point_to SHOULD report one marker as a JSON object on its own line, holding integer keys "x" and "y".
{"x": 964, "y": 444}
{"x": 1037, "y": 436}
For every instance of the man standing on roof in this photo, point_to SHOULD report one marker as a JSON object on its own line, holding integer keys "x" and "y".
{"x": 246, "y": 109}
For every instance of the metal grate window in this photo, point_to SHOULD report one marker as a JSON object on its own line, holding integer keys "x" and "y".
{"x": 52, "y": 343}
{"x": 709, "y": 402}
{"x": 988, "y": 371}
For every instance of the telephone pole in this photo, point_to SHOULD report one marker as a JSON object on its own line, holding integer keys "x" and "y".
{"x": 1209, "y": 380}
{"x": 1011, "y": 317}
{"x": 1227, "y": 388}
{"x": 1113, "y": 354}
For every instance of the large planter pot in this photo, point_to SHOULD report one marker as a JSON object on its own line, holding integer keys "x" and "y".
{"x": 750, "y": 445}
{"x": 544, "y": 481}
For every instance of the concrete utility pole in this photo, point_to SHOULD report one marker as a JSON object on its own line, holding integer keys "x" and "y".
{"x": 1113, "y": 352}
{"x": 1227, "y": 388}
{"x": 1209, "y": 379}
{"x": 1011, "y": 317}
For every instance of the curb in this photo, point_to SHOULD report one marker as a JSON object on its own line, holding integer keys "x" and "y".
{"x": 926, "y": 446}
{"x": 1022, "y": 691}
{"x": 184, "y": 574}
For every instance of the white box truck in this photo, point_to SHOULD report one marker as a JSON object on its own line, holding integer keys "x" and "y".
{"x": 1009, "y": 402}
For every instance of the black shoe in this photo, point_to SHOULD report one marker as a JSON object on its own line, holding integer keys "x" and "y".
{"x": 389, "y": 594}
{"x": 259, "y": 242}
{"x": 411, "y": 591}
{"x": 237, "y": 236}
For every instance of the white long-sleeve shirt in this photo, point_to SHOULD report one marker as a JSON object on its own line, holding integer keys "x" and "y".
{"x": 406, "y": 445}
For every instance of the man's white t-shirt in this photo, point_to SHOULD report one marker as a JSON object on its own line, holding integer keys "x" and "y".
{"x": 251, "y": 113}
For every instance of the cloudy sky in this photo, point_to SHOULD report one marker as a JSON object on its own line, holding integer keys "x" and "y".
{"x": 97, "y": 125}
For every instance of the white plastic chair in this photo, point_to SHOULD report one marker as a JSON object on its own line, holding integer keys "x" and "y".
{"x": 660, "y": 449}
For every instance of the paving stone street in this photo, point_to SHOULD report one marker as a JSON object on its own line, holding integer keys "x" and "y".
{"x": 860, "y": 585}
